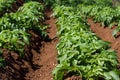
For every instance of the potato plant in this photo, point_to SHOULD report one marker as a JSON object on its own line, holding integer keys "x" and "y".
{"x": 14, "y": 40}
{"x": 80, "y": 52}
{"x": 24, "y": 18}
{"x": 107, "y": 16}
{"x": 5, "y": 4}
{"x": 14, "y": 27}
{"x": 8, "y": 6}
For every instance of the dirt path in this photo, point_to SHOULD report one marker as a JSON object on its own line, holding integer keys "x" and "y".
{"x": 106, "y": 35}
{"x": 48, "y": 53}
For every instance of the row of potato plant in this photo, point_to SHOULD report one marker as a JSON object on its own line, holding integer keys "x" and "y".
{"x": 80, "y": 52}
{"x": 75, "y": 2}
{"x": 106, "y": 15}
{"x": 14, "y": 27}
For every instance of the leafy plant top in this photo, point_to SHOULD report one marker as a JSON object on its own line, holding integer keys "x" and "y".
{"x": 14, "y": 40}
{"x": 80, "y": 52}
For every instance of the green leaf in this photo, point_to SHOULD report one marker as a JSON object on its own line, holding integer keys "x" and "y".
{"x": 115, "y": 32}
{"x": 114, "y": 75}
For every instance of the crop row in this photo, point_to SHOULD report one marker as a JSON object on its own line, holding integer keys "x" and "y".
{"x": 101, "y": 11}
{"x": 107, "y": 16}
{"x": 80, "y": 52}
{"x": 75, "y": 2}
{"x": 14, "y": 27}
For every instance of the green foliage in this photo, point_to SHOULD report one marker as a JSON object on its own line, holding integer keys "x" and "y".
{"x": 95, "y": 10}
{"x": 100, "y": 10}
{"x": 32, "y": 8}
{"x": 80, "y": 51}
{"x": 105, "y": 16}
{"x": 117, "y": 15}
{"x": 14, "y": 40}
{"x": 26, "y": 17}
{"x": 30, "y": 0}
{"x": 5, "y": 4}
{"x": 62, "y": 10}
{"x": 117, "y": 21}
{"x": 85, "y": 10}
{"x": 97, "y": 2}
{"x": 112, "y": 75}
{"x": 61, "y": 2}
{"x": 76, "y": 2}
{"x": 13, "y": 27}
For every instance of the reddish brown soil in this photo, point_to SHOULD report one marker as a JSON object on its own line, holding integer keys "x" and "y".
{"x": 48, "y": 54}
{"x": 106, "y": 35}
